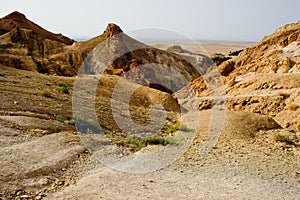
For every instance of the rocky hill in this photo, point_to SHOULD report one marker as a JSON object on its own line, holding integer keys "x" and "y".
{"x": 264, "y": 78}
{"x": 276, "y": 53}
{"x": 19, "y": 20}
{"x": 116, "y": 53}
{"x": 25, "y": 45}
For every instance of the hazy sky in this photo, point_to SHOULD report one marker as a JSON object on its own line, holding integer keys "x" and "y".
{"x": 243, "y": 20}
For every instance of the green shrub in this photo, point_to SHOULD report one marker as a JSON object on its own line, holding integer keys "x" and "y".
{"x": 85, "y": 125}
{"x": 177, "y": 126}
{"x": 63, "y": 88}
{"x": 235, "y": 53}
{"x": 136, "y": 143}
{"x": 60, "y": 118}
{"x": 283, "y": 138}
{"x": 183, "y": 127}
{"x": 173, "y": 128}
{"x": 219, "y": 59}
{"x": 45, "y": 93}
{"x": 156, "y": 140}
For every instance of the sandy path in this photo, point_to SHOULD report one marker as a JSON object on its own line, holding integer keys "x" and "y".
{"x": 229, "y": 178}
{"x": 235, "y": 169}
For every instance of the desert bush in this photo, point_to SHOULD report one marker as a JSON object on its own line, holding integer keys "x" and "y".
{"x": 219, "y": 59}
{"x": 176, "y": 127}
{"x": 183, "y": 127}
{"x": 156, "y": 140}
{"x": 63, "y": 88}
{"x": 136, "y": 143}
{"x": 45, "y": 93}
{"x": 283, "y": 138}
{"x": 85, "y": 125}
{"x": 235, "y": 53}
{"x": 59, "y": 118}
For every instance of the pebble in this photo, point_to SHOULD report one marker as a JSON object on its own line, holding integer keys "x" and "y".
{"x": 38, "y": 197}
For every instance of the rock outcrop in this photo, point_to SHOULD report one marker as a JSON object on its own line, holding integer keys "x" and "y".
{"x": 116, "y": 53}
{"x": 276, "y": 53}
{"x": 25, "y": 45}
{"x": 263, "y": 78}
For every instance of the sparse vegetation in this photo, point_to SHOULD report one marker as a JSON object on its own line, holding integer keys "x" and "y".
{"x": 60, "y": 118}
{"x": 85, "y": 125}
{"x": 136, "y": 143}
{"x": 283, "y": 138}
{"x": 45, "y": 93}
{"x": 63, "y": 88}
{"x": 220, "y": 58}
{"x": 235, "y": 53}
{"x": 176, "y": 127}
{"x": 184, "y": 127}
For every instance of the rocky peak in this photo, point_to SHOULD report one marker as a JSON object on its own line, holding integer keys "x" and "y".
{"x": 19, "y": 20}
{"x": 15, "y": 15}
{"x": 111, "y": 30}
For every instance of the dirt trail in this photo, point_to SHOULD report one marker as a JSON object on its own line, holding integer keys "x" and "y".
{"x": 233, "y": 170}
{"x": 43, "y": 157}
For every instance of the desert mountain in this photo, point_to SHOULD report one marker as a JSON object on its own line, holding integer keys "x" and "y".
{"x": 18, "y": 20}
{"x": 25, "y": 45}
{"x": 116, "y": 53}
{"x": 263, "y": 78}
{"x": 89, "y": 45}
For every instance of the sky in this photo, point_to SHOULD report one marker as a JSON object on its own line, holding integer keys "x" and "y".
{"x": 231, "y": 20}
